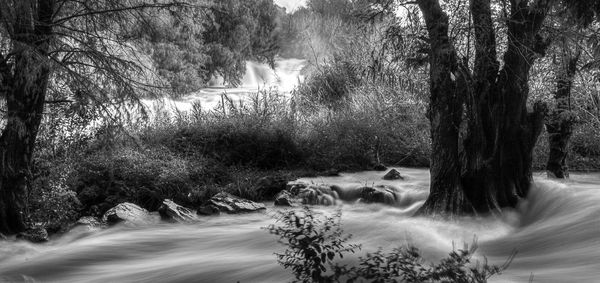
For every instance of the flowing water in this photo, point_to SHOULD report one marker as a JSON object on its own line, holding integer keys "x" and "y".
{"x": 556, "y": 233}
{"x": 283, "y": 78}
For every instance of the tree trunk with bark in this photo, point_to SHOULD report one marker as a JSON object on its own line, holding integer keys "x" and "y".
{"x": 560, "y": 121}
{"x": 482, "y": 156}
{"x": 25, "y": 96}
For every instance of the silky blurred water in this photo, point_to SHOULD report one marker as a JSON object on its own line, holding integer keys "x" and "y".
{"x": 556, "y": 233}
{"x": 282, "y": 79}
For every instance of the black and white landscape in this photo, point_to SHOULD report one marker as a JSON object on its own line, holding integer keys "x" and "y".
{"x": 299, "y": 141}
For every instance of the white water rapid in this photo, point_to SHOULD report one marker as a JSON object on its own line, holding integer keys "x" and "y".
{"x": 556, "y": 233}
{"x": 283, "y": 78}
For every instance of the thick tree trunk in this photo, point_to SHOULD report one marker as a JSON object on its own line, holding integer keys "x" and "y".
{"x": 445, "y": 110}
{"x": 24, "y": 105}
{"x": 488, "y": 166}
{"x": 560, "y": 121}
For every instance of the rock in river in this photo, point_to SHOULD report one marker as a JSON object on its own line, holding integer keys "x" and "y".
{"x": 378, "y": 194}
{"x": 229, "y": 203}
{"x": 393, "y": 175}
{"x": 127, "y": 212}
{"x": 171, "y": 211}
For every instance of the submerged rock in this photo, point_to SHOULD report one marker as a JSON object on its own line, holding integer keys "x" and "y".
{"x": 378, "y": 194}
{"x": 127, "y": 212}
{"x": 393, "y": 175}
{"x": 34, "y": 235}
{"x": 171, "y": 211}
{"x": 229, "y": 203}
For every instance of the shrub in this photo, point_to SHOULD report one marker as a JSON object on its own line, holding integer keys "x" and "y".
{"x": 52, "y": 204}
{"x": 145, "y": 177}
{"x": 314, "y": 242}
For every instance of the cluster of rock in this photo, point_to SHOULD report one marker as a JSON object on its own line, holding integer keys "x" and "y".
{"x": 299, "y": 193}
{"x": 284, "y": 193}
{"x": 132, "y": 214}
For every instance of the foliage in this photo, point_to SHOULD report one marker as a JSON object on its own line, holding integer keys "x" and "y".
{"x": 52, "y": 203}
{"x": 175, "y": 45}
{"x": 189, "y": 48}
{"x": 329, "y": 85}
{"x": 241, "y": 30}
{"x": 315, "y": 241}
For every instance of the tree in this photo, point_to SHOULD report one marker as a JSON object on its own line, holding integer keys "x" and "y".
{"x": 188, "y": 50}
{"x": 559, "y": 124}
{"x": 483, "y": 133}
{"x": 241, "y": 30}
{"x": 75, "y": 50}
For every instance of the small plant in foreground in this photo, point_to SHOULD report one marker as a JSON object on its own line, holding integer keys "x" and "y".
{"x": 314, "y": 241}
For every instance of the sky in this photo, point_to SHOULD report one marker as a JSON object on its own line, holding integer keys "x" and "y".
{"x": 290, "y": 5}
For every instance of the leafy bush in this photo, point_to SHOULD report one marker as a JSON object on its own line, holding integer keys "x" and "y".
{"x": 52, "y": 204}
{"x": 314, "y": 242}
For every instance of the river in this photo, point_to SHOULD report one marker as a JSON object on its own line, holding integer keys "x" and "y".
{"x": 556, "y": 233}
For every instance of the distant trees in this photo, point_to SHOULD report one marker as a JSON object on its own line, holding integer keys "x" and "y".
{"x": 241, "y": 30}
{"x": 214, "y": 40}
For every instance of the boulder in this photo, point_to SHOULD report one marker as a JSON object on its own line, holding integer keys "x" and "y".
{"x": 34, "y": 235}
{"x": 127, "y": 212}
{"x": 393, "y": 175}
{"x": 285, "y": 198}
{"x": 229, "y": 203}
{"x": 171, "y": 211}
{"x": 378, "y": 194}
